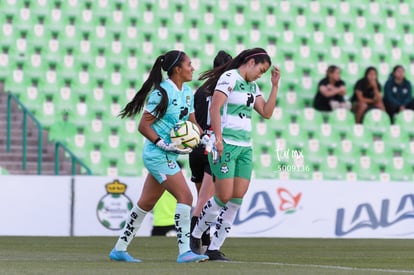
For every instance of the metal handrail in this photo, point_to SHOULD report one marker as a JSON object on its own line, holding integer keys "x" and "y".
{"x": 74, "y": 159}
{"x": 26, "y": 112}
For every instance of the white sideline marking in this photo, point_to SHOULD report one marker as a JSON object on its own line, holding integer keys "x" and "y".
{"x": 330, "y": 267}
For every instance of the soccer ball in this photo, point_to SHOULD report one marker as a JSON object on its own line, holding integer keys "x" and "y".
{"x": 185, "y": 134}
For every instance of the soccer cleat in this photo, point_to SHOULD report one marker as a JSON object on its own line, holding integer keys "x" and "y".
{"x": 195, "y": 244}
{"x": 216, "y": 255}
{"x": 122, "y": 256}
{"x": 191, "y": 257}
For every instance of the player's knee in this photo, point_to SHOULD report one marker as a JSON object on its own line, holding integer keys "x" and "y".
{"x": 185, "y": 198}
{"x": 224, "y": 198}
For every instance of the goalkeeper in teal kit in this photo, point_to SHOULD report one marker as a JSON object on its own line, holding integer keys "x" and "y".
{"x": 169, "y": 101}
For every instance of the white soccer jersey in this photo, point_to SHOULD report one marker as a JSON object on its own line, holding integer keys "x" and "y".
{"x": 236, "y": 112}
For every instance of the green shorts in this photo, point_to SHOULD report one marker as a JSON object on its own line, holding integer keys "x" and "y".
{"x": 236, "y": 161}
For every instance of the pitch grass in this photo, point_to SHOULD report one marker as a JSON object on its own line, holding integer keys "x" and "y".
{"x": 89, "y": 255}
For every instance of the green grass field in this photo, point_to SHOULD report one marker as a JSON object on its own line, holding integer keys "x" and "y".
{"x": 88, "y": 255}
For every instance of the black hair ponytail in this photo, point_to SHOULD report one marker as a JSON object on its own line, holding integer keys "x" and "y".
{"x": 212, "y": 76}
{"x": 165, "y": 62}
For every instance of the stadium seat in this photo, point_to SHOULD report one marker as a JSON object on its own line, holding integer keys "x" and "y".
{"x": 361, "y": 137}
{"x": 400, "y": 170}
{"x": 90, "y": 57}
{"x": 130, "y": 163}
{"x": 348, "y": 151}
{"x": 380, "y": 153}
{"x": 265, "y": 163}
{"x": 405, "y": 120}
{"x": 396, "y": 138}
{"x": 332, "y": 168}
{"x": 327, "y": 136}
{"x": 310, "y": 120}
{"x": 341, "y": 120}
{"x": 366, "y": 170}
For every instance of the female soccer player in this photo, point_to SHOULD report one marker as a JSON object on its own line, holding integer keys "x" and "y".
{"x": 200, "y": 168}
{"x": 170, "y": 101}
{"x": 235, "y": 95}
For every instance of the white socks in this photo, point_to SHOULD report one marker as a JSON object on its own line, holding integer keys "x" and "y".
{"x": 207, "y": 216}
{"x": 131, "y": 227}
{"x": 224, "y": 222}
{"x": 182, "y": 225}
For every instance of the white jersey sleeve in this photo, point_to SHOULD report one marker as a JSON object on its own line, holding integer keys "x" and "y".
{"x": 226, "y": 82}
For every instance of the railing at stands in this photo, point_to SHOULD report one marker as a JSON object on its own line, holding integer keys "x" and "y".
{"x": 26, "y": 113}
{"x": 73, "y": 160}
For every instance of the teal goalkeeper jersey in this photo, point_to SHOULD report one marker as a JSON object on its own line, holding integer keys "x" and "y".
{"x": 237, "y": 111}
{"x": 180, "y": 106}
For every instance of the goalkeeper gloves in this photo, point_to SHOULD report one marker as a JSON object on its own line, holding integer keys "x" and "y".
{"x": 171, "y": 147}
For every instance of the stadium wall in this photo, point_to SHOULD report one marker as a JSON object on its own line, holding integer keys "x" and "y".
{"x": 97, "y": 206}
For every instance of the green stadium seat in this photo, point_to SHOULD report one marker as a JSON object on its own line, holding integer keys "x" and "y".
{"x": 380, "y": 153}
{"x": 348, "y": 152}
{"x": 17, "y": 82}
{"x": 366, "y": 170}
{"x": 103, "y": 50}
{"x": 47, "y": 114}
{"x": 130, "y": 164}
{"x": 24, "y": 18}
{"x": 333, "y": 169}
{"x": 405, "y": 120}
{"x": 54, "y": 18}
{"x": 262, "y": 132}
{"x": 396, "y": 138}
{"x": 82, "y": 83}
{"x": 376, "y": 121}
{"x": 79, "y": 143}
{"x": 81, "y": 115}
{"x": 97, "y": 132}
{"x": 327, "y": 136}
{"x": 361, "y": 137}
{"x": 314, "y": 152}
{"x": 400, "y": 170}
{"x": 341, "y": 120}
{"x": 32, "y": 97}
{"x": 310, "y": 120}
{"x": 295, "y": 136}
{"x": 264, "y": 163}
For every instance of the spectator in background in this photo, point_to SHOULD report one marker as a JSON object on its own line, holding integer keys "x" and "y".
{"x": 367, "y": 94}
{"x": 331, "y": 92}
{"x": 397, "y": 92}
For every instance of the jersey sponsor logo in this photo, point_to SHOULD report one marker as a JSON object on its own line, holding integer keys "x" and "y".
{"x": 366, "y": 217}
{"x": 174, "y": 102}
{"x": 183, "y": 113}
{"x": 113, "y": 208}
{"x": 250, "y": 99}
{"x": 223, "y": 83}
